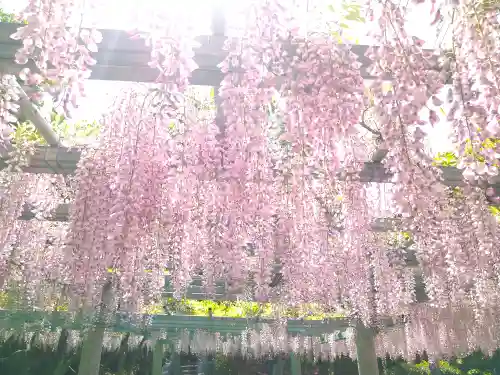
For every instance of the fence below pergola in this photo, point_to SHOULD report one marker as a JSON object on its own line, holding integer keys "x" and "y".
{"x": 164, "y": 330}
{"x": 122, "y": 59}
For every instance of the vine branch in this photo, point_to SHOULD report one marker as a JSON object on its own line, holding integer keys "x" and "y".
{"x": 371, "y": 130}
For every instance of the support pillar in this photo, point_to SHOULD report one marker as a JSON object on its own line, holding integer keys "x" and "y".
{"x": 201, "y": 365}
{"x": 157, "y": 358}
{"x": 278, "y": 366}
{"x": 123, "y": 354}
{"x": 90, "y": 359}
{"x": 365, "y": 350}
{"x": 175, "y": 362}
{"x": 296, "y": 366}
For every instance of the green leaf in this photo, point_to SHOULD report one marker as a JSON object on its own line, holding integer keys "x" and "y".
{"x": 344, "y": 25}
{"x": 336, "y": 35}
{"x": 495, "y": 211}
{"x": 353, "y": 16}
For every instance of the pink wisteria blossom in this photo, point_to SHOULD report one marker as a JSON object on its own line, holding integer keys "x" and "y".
{"x": 268, "y": 197}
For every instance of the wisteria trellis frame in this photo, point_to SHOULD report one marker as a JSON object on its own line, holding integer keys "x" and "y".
{"x": 122, "y": 59}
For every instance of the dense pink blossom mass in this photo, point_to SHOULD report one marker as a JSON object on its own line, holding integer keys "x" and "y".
{"x": 268, "y": 199}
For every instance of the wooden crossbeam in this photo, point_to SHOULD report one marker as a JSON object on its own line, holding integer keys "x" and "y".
{"x": 62, "y": 160}
{"x": 379, "y": 155}
{"x": 171, "y": 323}
{"x": 61, "y": 213}
{"x": 121, "y": 59}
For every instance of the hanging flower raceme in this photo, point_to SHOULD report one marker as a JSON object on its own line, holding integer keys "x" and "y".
{"x": 8, "y": 110}
{"x": 373, "y": 284}
{"x": 454, "y": 253}
{"x": 322, "y": 90}
{"x": 476, "y": 89}
{"x": 28, "y": 249}
{"x": 249, "y": 204}
{"x": 169, "y": 33}
{"x": 60, "y": 51}
{"x": 188, "y": 228}
{"x": 118, "y": 202}
{"x": 35, "y": 269}
{"x": 448, "y": 331}
{"x": 257, "y": 343}
{"x": 419, "y": 193}
{"x": 482, "y": 234}
{"x": 120, "y": 233}
{"x": 144, "y": 200}
{"x": 324, "y": 93}
{"x": 154, "y": 202}
{"x": 13, "y": 195}
{"x": 358, "y": 250}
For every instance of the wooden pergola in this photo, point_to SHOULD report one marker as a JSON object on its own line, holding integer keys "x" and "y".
{"x": 122, "y": 59}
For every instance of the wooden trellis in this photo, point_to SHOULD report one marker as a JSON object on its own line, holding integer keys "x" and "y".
{"x": 171, "y": 324}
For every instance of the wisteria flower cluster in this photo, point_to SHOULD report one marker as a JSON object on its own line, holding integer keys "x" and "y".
{"x": 61, "y": 54}
{"x": 8, "y": 111}
{"x": 267, "y": 197}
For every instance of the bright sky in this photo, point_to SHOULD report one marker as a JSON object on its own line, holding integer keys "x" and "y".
{"x": 130, "y": 14}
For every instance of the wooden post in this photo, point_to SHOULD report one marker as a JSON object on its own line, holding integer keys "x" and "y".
{"x": 218, "y": 30}
{"x": 157, "y": 358}
{"x": 175, "y": 362}
{"x": 90, "y": 359}
{"x": 295, "y": 365}
{"x": 365, "y": 350}
{"x": 278, "y": 366}
{"x": 124, "y": 346}
{"x": 200, "y": 368}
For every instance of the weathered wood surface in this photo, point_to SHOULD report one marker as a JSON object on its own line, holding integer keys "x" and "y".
{"x": 122, "y": 59}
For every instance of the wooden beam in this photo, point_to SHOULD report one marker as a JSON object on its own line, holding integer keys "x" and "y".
{"x": 379, "y": 155}
{"x": 174, "y": 323}
{"x": 64, "y": 161}
{"x": 122, "y": 59}
{"x": 61, "y": 213}
{"x": 53, "y": 160}
{"x": 29, "y": 112}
